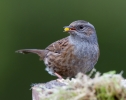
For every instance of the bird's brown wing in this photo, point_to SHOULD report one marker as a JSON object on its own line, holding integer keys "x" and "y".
{"x": 58, "y": 46}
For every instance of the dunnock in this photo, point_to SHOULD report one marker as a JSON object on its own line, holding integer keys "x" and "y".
{"x": 78, "y": 52}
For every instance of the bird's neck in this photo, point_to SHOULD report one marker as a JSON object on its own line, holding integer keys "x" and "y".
{"x": 82, "y": 48}
{"x": 77, "y": 41}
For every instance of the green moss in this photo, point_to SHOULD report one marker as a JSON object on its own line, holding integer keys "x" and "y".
{"x": 102, "y": 87}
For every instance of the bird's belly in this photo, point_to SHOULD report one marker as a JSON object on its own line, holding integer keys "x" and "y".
{"x": 67, "y": 65}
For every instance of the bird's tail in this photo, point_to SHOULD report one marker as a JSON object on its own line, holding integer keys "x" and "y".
{"x": 41, "y": 53}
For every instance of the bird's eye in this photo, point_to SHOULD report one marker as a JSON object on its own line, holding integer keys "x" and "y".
{"x": 81, "y": 27}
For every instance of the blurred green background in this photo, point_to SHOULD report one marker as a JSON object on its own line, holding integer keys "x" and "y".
{"x": 37, "y": 23}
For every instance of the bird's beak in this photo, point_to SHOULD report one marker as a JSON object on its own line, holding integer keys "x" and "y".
{"x": 68, "y": 28}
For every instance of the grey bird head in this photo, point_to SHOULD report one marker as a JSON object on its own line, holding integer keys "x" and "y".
{"x": 81, "y": 30}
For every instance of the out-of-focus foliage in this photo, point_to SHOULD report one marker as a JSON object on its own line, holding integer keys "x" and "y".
{"x": 37, "y": 23}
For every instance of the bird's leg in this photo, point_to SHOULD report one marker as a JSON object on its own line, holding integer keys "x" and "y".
{"x": 59, "y": 76}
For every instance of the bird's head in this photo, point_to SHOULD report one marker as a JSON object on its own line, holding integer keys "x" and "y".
{"x": 81, "y": 30}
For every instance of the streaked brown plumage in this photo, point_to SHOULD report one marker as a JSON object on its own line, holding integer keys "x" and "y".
{"x": 76, "y": 53}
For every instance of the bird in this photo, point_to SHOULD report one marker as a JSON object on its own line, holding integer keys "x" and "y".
{"x": 76, "y": 53}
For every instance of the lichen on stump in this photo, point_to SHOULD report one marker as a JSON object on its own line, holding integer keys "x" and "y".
{"x": 108, "y": 86}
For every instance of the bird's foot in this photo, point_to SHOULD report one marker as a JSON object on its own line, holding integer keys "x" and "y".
{"x": 60, "y": 78}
